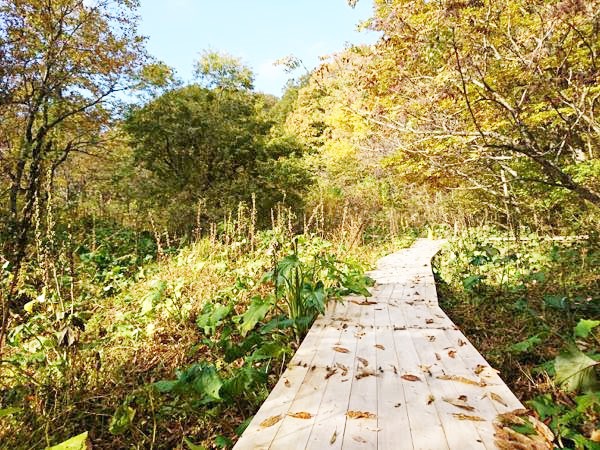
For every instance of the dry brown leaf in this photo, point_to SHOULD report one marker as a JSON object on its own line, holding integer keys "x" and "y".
{"x": 425, "y": 369}
{"x": 462, "y": 397}
{"x": 431, "y": 338}
{"x": 365, "y": 373}
{"x": 359, "y": 439}
{"x": 341, "y": 350}
{"x": 394, "y": 369}
{"x": 330, "y": 372}
{"x": 458, "y": 403}
{"x": 461, "y": 380}
{"x": 271, "y": 421}
{"x": 461, "y": 416}
{"x": 461, "y": 343}
{"x": 497, "y": 398}
{"x": 479, "y": 369}
{"x": 363, "y": 361}
{"x": 360, "y": 415}
{"x": 438, "y": 357}
{"x": 430, "y": 399}
{"x": 300, "y": 415}
{"x": 364, "y": 302}
{"x": 379, "y": 346}
{"x": 287, "y": 383}
{"x": 428, "y": 321}
{"x": 333, "y": 438}
{"x": 343, "y": 368}
{"x": 452, "y": 353}
{"x": 410, "y": 377}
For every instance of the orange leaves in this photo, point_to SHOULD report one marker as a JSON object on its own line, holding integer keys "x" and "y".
{"x": 410, "y": 377}
{"x": 360, "y": 415}
{"x": 271, "y": 421}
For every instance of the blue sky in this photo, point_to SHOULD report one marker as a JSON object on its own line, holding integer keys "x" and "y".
{"x": 258, "y": 31}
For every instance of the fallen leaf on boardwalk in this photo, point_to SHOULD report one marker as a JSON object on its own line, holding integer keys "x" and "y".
{"x": 462, "y": 397}
{"x": 409, "y": 377}
{"x": 394, "y": 368}
{"x": 341, "y": 350}
{"x": 333, "y": 438}
{"x": 416, "y": 293}
{"x": 437, "y": 356}
{"x": 360, "y": 415}
{"x": 365, "y": 373}
{"x": 431, "y": 338}
{"x": 359, "y": 439}
{"x": 468, "y": 417}
{"x": 452, "y": 353}
{"x": 425, "y": 369}
{"x": 379, "y": 346}
{"x": 363, "y": 361}
{"x": 462, "y": 380}
{"x": 480, "y": 368}
{"x": 287, "y": 383}
{"x": 458, "y": 403}
{"x": 343, "y": 368}
{"x": 461, "y": 343}
{"x": 271, "y": 421}
{"x": 429, "y": 321}
{"x": 330, "y": 372}
{"x": 430, "y": 399}
{"x": 364, "y": 302}
{"x": 497, "y": 398}
{"x": 300, "y": 415}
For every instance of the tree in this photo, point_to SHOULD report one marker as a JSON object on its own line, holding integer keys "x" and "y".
{"x": 221, "y": 70}
{"x": 63, "y": 61}
{"x": 502, "y": 94}
{"x": 213, "y": 146}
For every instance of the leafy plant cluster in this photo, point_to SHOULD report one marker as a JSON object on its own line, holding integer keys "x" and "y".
{"x": 549, "y": 291}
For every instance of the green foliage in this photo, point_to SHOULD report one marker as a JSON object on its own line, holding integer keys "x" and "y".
{"x": 79, "y": 442}
{"x": 214, "y": 149}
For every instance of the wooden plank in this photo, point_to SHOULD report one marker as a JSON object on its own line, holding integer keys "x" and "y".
{"x": 278, "y": 402}
{"x": 392, "y": 409}
{"x": 328, "y": 430}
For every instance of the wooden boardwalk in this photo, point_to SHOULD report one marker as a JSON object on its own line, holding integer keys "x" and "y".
{"x": 388, "y": 372}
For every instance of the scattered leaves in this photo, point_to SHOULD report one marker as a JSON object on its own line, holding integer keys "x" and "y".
{"x": 462, "y": 404}
{"x": 462, "y": 380}
{"x": 341, "y": 350}
{"x": 300, "y": 415}
{"x": 410, "y": 377}
{"x": 461, "y": 416}
{"x": 271, "y": 421}
{"x": 360, "y": 415}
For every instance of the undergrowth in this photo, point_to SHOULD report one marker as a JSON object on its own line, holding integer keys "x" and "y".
{"x": 531, "y": 306}
{"x": 165, "y": 347}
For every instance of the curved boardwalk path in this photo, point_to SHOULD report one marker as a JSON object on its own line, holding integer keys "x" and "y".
{"x": 397, "y": 360}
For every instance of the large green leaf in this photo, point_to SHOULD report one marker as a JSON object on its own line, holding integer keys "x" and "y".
{"x": 257, "y": 311}
{"x": 575, "y": 371}
{"x": 585, "y": 327}
{"x": 211, "y": 317}
{"x": 79, "y": 442}
{"x": 526, "y": 345}
{"x": 121, "y": 419}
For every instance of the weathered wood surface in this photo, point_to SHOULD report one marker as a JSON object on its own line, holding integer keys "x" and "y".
{"x": 402, "y": 361}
